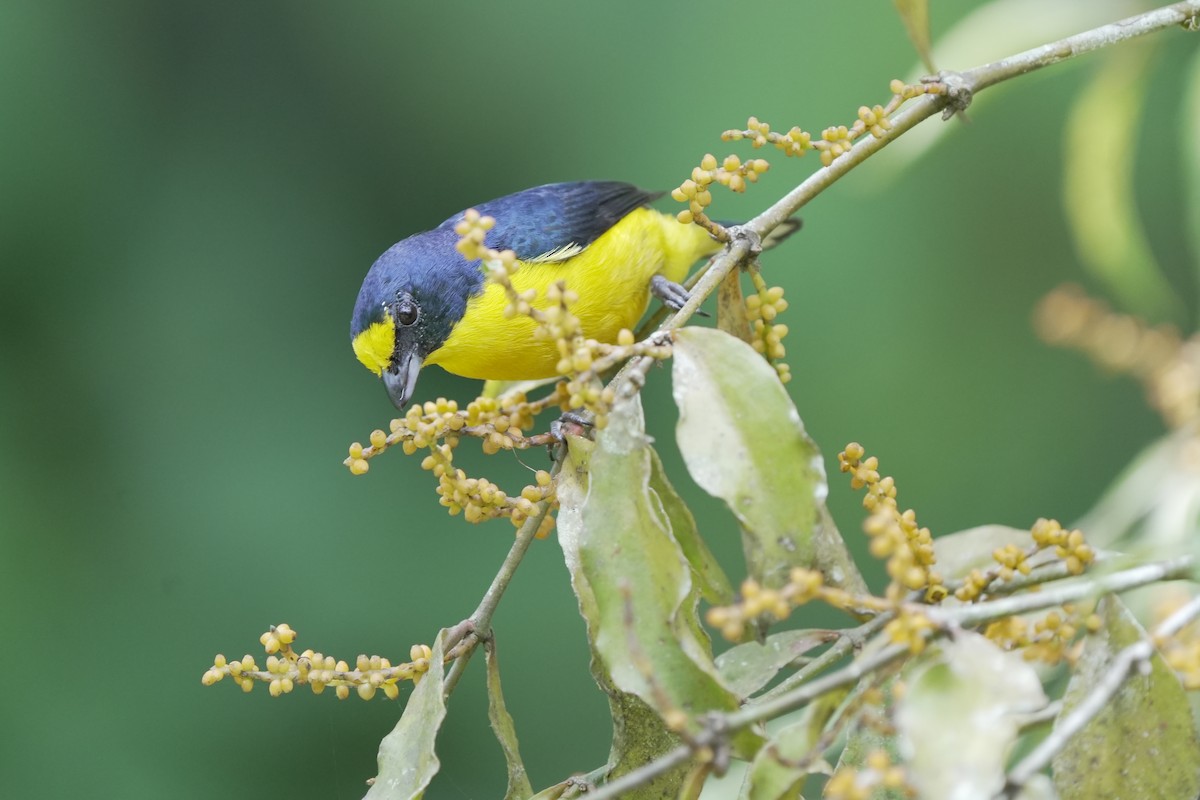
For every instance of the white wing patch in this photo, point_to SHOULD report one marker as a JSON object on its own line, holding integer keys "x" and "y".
{"x": 558, "y": 254}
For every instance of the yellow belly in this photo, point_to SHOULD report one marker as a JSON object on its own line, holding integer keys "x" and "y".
{"x": 612, "y": 278}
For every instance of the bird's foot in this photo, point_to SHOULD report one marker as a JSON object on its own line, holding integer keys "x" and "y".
{"x": 571, "y": 423}
{"x": 672, "y": 295}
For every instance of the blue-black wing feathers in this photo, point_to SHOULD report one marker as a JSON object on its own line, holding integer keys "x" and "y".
{"x": 547, "y": 218}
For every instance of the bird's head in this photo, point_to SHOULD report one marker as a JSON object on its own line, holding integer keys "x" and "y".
{"x": 411, "y": 299}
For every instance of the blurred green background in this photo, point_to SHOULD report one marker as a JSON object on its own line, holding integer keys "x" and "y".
{"x": 191, "y": 195}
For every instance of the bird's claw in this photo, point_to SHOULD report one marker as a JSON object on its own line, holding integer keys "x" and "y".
{"x": 571, "y": 423}
{"x": 672, "y": 295}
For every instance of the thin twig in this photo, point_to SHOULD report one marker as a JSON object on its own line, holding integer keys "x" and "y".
{"x": 847, "y": 641}
{"x": 1178, "y": 620}
{"x": 978, "y": 613}
{"x": 479, "y": 625}
{"x": 962, "y": 87}
{"x": 1135, "y": 657}
{"x": 736, "y": 720}
{"x": 855, "y": 671}
{"x": 1129, "y": 659}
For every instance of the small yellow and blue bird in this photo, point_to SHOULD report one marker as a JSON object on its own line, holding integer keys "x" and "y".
{"x": 423, "y": 303}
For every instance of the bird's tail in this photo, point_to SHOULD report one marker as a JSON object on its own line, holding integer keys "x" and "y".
{"x": 785, "y": 229}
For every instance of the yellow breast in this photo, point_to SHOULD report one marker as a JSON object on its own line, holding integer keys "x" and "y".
{"x": 612, "y": 278}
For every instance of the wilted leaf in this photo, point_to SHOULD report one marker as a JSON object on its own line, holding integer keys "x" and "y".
{"x": 1098, "y": 190}
{"x": 633, "y": 583}
{"x": 782, "y": 764}
{"x": 959, "y": 718}
{"x": 915, "y": 14}
{"x": 731, "y": 307}
{"x": 709, "y": 577}
{"x": 743, "y": 441}
{"x": 502, "y": 724}
{"x": 407, "y": 761}
{"x": 1143, "y": 744}
{"x": 751, "y": 666}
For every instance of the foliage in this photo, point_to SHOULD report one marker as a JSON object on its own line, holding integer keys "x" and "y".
{"x": 947, "y": 670}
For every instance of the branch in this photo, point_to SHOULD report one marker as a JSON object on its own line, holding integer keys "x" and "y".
{"x": 722, "y": 724}
{"x": 1134, "y": 657}
{"x": 1116, "y": 582}
{"x": 961, "y": 88}
{"x": 478, "y": 626}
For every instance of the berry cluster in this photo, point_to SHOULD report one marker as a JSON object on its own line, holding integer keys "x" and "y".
{"x": 731, "y": 173}
{"x": 1051, "y": 639}
{"x": 1012, "y": 560}
{"x": 895, "y": 535}
{"x": 762, "y": 309}
{"x": 832, "y": 143}
{"x": 288, "y": 669}
{"x": 877, "y": 773}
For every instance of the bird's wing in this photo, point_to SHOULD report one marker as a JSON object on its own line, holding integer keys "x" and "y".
{"x": 559, "y": 220}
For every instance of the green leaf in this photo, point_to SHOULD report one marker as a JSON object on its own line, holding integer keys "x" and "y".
{"x": 502, "y": 724}
{"x": 915, "y": 14}
{"x": 743, "y": 441}
{"x": 959, "y": 718}
{"x": 407, "y": 761}
{"x": 731, "y": 307}
{"x": 751, "y": 666}
{"x": 862, "y": 739}
{"x": 1147, "y": 725}
{"x": 959, "y": 553}
{"x": 639, "y": 735}
{"x": 1098, "y": 191}
{"x": 777, "y": 772}
{"x": 709, "y": 577}
{"x": 635, "y": 591}
{"x": 1154, "y": 504}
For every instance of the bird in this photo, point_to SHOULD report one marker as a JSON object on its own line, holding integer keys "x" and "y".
{"x": 423, "y": 303}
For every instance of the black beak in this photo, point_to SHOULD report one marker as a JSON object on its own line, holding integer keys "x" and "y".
{"x": 401, "y": 377}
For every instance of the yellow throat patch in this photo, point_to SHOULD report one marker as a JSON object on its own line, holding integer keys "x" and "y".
{"x": 375, "y": 345}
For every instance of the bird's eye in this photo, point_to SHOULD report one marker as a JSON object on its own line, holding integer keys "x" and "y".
{"x": 407, "y": 313}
